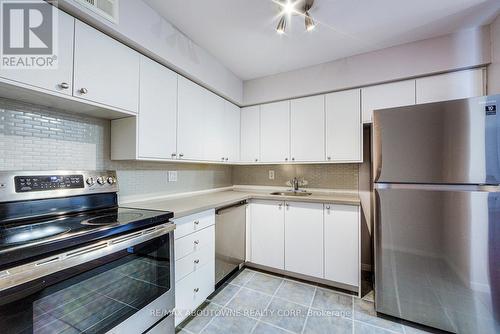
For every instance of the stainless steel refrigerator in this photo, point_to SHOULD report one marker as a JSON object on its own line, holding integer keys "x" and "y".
{"x": 437, "y": 214}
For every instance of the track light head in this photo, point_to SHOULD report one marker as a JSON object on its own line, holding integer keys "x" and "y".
{"x": 280, "y": 29}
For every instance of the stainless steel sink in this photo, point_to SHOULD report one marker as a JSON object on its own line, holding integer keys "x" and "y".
{"x": 291, "y": 193}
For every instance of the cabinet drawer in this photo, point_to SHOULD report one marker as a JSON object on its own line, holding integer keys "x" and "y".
{"x": 194, "y": 261}
{"x": 193, "y": 223}
{"x": 195, "y": 241}
{"x": 193, "y": 290}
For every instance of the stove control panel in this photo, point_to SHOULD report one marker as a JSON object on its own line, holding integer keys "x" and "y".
{"x": 47, "y": 182}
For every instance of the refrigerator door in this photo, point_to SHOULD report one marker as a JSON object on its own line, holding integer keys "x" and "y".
{"x": 437, "y": 256}
{"x": 452, "y": 142}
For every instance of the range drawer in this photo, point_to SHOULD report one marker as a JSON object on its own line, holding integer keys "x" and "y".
{"x": 194, "y": 242}
{"x": 194, "y": 261}
{"x": 193, "y": 223}
{"x": 193, "y": 290}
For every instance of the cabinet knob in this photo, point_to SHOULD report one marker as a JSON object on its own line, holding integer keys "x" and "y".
{"x": 287, "y": 205}
{"x": 197, "y": 289}
{"x": 223, "y": 158}
{"x": 286, "y": 159}
{"x": 227, "y": 159}
{"x": 83, "y": 91}
{"x": 64, "y": 85}
{"x": 280, "y": 205}
{"x": 196, "y": 242}
{"x": 293, "y": 159}
{"x": 197, "y": 261}
{"x": 256, "y": 159}
{"x": 329, "y": 158}
{"x": 174, "y": 155}
{"x": 328, "y": 208}
{"x": 196, "y": 222}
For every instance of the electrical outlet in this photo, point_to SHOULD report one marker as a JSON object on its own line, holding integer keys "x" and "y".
{"x": 271, "y": 175}
{"x": 172, "y": 176}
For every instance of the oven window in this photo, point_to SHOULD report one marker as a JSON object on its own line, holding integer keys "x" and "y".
{"x": 101, "y": 295}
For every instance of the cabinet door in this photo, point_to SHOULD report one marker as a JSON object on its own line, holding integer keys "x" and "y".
{"x": 232, "y": 131}
{"x": 190, "y": 128}
{"x": 213, "y": 120}
{"x": 304, "y": 238}
{"x": 268, "y": 234}
{"x": 450, "y": 86}
{"x": 390, "y": 95}
{"x": 250, "y": 134}
{"x": 307, "y": 122}
{"x": 275, "y": 132}
{"x": 342, "y": 244}
{"x": 106, "y": 69}
{"x": 61, "y": 79}
{"x": 343, "y": 126}
{"x": 157, "y": 119}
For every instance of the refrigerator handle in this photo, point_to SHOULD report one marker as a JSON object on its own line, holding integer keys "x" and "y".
{"x": 377, "y": 152}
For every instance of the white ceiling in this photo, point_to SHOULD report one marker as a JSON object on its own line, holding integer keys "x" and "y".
{"x": 241, "y": 33}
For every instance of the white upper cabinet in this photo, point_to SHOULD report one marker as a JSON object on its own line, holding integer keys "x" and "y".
{"x": 343, "y": 126}
{"x": 450, "y": 86}
{"x": 60, "y": 79}
{"x": 307, "y": 136}
{"x": 105, "y": 71}
{"x": 157, "y": 119}
{"x": 190, "y": 131}
{"x": 268, "y": 233}
{"x": 275, "y": 132}
{"x": 213, "y": 121}
{"x": 304, "y": 238}
{"x": 389, "y": 95}
{"x": 231, "y": 131}
{"x": 342, "y": 257}
{"x": 250, "y": 134}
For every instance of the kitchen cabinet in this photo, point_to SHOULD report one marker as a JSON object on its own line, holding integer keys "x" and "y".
{"x": 268, "y": 233}
{"x": 304, "y": 238}
{"x": 275, "y": 132}
{"x": 250, "y": 134}
{"x": 213, "y": 122}
{"x": 153, "y": 133}
{"x": 190, "y": 131}
{"x": 342, "y": 259}
{"x": 391, "y": 95}
{"x": 307, "y": 134}
{"x": 231, "y": 131}
{"x": 60, "y": 79}
{"x": 450, "y": 86}
{"x": 344, "y": 130}
{"x": 105, "y": 71}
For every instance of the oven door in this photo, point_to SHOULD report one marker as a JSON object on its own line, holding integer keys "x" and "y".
{"x": 122, "y": 285}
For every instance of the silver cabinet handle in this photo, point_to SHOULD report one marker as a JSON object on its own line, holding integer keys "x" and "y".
{"x": 174, "y": 155}
{"x": 328, "y": 207}
{"x": 227, "y": 159}
{"x": 256, "y": 159}
{"x": 83, "y": 91}
{"x": 196, "y": 222}
{"x": 286, "y": 159}
{"x": 223, "y": 158}
{"x": 287, "y": 205}
{"x": 280, "y": 205}
{"x": 196, "y": 242}
{"x": 329, "y": 158}
{"x": 181, "y": 155}
{"x": 64, "y": 85}
{"x": 197, "y": 289}
{"x": 197, "y": 261}
{"x": 293, "y": 159}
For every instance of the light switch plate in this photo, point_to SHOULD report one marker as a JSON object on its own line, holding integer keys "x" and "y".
{"x": 271, "y": 175}
{"x": 172, "y": 176}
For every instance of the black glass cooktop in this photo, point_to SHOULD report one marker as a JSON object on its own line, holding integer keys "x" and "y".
{"x": 22, "y": 241}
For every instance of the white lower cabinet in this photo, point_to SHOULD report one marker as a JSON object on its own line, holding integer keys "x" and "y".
{"x": 268, "y": 233}
{"x": 194, "y": 262}
{"x": 342, "y": 243}
{"x": 304, "y": 238}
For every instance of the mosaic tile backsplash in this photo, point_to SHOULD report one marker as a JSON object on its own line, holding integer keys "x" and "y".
{"x": 39, "y": 138}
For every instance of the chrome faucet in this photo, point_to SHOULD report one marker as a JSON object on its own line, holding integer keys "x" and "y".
{"x": 295, "y": 183}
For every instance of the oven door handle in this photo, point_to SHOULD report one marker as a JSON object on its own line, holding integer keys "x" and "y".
{"x": 35, "y": 270}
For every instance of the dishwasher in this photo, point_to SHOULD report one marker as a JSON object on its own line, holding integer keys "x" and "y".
{"x": 230, "y": 226}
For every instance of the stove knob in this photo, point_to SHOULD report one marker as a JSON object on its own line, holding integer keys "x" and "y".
{"x": 100, "y": 180}
{"x": 90, "y": 181}
{"x": 111, "y": 180}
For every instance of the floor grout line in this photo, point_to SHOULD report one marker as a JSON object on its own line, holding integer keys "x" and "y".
{"x": 268, "y": 304}
{"x": 309, "y": 310}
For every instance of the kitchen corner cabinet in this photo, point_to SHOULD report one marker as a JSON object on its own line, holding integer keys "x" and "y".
{"x": 342, "y": 230}
{"x": 152, "y": 134}
{"x": 304, "y": 238}
{"x": 105, "y": 70}
{"x": 250, "y": 134}
{"x": 275, "y": 132}
{"x": 58, "y": 80}
{"x": 391, "y": 95}
{"x": 307, "y": 124}
{"x": 231, "y": 131}
{"x": 344, "y": 130}
{"x": 451, "y": 86}
{"x": 268, "y": 233}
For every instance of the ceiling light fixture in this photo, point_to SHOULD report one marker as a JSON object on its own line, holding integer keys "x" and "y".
{"x": 288, "y": 8}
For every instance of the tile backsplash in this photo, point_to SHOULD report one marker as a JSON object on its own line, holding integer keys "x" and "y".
{"x": 40, "y": 138}
{"x": 332, "y": 176}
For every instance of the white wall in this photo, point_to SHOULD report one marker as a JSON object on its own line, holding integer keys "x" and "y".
{"x": 463, "y": 49}
{"x": 494, "y": 68}
{"x": 144, "y": 29}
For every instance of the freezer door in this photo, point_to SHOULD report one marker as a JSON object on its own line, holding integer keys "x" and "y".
{"x": 437, "y": 256}
{"x": 442, "y": 143}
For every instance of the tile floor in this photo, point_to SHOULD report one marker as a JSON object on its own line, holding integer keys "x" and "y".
{"x": 261, "y": 303}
